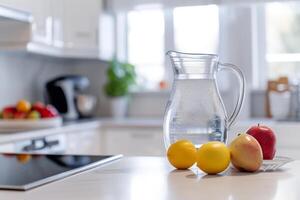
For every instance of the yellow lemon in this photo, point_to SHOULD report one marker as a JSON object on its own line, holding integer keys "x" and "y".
{"x": 182, "y": 154}
{"x": 213, "y": 157}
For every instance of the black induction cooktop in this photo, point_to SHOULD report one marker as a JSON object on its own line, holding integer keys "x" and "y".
{"x": 26, "y": 171}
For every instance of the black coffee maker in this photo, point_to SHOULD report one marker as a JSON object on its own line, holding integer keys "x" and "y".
{"x": 61, "y": 93}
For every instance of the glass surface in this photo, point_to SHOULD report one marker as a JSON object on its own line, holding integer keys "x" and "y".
{"x": 195, "y": 110}
{"x": 283, "y": 27}
{"x": 146, "y": 44}
{"x": 196, "y": 28}
{"x": 23, "y": 169}
{"x": 282, "y": 39}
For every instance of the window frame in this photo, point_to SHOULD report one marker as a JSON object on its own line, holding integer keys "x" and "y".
{"x": 169, "y": 38}
{"x": 259, "y": 70}
{"x": 261, "y": 58}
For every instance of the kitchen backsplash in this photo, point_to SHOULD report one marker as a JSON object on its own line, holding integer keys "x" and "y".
{"x": 23, "y": 75}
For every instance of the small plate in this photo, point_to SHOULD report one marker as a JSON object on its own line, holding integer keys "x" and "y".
{"x": 276, "y": 163}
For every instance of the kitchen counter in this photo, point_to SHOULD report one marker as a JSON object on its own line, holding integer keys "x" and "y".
{"x": 142, "y": 178}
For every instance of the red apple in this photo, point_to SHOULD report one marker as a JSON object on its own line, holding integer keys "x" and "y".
{"x": 38, "y": 106}
{"x": 20, "y": 115}
{"x": 8, "y": 112}
{"x": 266, "y": 138}
{"x": 49, "y": 112}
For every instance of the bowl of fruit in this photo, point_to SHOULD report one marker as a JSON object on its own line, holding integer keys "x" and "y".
{"x": 26, "y": 116}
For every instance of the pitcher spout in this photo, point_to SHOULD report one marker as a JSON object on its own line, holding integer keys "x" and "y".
{"x": 193, "y": 63}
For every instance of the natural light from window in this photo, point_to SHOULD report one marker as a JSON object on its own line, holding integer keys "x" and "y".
{"x": 146, "y": 45}
{"x": 196, "y": 29}
{"x": 283, "y": 39}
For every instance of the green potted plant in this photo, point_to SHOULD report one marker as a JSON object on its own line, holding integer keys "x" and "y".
{"x": 120, "y": 78}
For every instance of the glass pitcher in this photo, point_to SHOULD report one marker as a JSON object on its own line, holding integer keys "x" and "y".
{"x": 195, "y": 110}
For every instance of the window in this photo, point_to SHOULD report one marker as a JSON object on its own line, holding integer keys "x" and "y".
{"x": 283, "y": 39}
{"x": 146, "y": 44}
{"x": 194, "y": 29}
{"x": 273, "y": 29}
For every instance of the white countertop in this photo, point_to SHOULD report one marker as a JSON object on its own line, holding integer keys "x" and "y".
{"x": 142, "y": 178}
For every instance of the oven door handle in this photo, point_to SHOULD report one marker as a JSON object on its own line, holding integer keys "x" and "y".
{"x": 40, "y": 144}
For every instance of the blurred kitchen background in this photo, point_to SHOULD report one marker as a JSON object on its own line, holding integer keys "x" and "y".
{"x": 43, "y": 40}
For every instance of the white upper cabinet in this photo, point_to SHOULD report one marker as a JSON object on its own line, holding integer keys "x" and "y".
{"x": 64, "y": 28}
{"x": 42, "y": 21}
{"x": 17, "y": 4}
{"x": 80, "y": 23}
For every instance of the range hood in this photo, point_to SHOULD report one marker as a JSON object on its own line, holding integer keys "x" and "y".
{"x": 15, "y": 26}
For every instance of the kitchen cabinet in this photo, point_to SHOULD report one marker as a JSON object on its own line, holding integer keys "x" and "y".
{"x": 66, "y": 28}
{"x": 132, "y": 141}
{"x": 76, "y": 24}
{"x": 84, "y": 142}
{"x": 55, "y": 143}
{"x": 42, "y": 21}
{"x": 42, "y": 17}
{"x": 17, "y": 4}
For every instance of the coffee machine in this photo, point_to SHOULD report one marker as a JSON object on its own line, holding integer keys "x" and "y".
{"x": 61, "y": 93}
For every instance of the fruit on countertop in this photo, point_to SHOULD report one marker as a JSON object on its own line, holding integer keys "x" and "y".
{"x": 24, "y": 110}
{"x": 23, "y": 106}
{"x": 266, "y": 138}
{"x": 213, "y": 157}
{"x": 49, "y": 111}
{"x": 38, "y": 106}
{"x": 246, "y": 153}
{"x": 20, "y": 115}
{"x": 182, "y": 154}
{"x": 34, "y": 115}
{"x": 8, "y": 112}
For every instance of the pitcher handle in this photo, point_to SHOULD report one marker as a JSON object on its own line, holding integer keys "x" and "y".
{"x": 241, "y": 95}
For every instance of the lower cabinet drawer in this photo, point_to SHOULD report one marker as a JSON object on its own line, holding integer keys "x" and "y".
{"x": 133, "y": 141}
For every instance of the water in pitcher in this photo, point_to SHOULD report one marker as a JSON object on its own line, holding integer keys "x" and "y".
{"x": 196, "y": 112}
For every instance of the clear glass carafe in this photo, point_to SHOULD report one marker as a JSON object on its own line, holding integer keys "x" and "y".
{"x": 195, "y": 110}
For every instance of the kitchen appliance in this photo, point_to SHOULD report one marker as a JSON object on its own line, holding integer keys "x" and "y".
{"x": 195, "y": 110}
{"x": 61, "y": 93}
{"x": 86, "y": 104}
{"x": 26, "y": 171}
